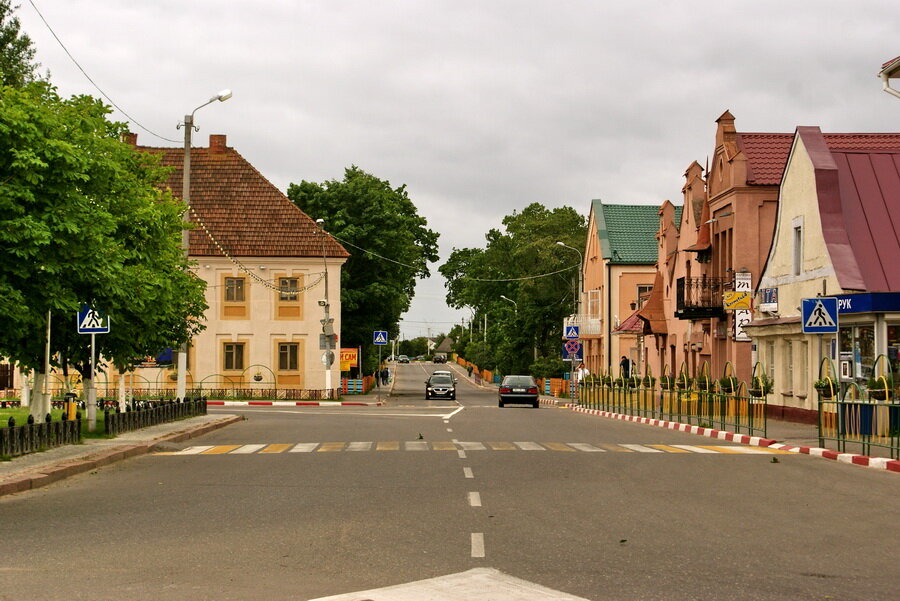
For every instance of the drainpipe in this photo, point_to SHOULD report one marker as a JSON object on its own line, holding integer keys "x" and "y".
{"x": 886, "y": 85}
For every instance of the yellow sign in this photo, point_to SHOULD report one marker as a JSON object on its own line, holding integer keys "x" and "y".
{"x": 349, "y": 358}
{"x": 736, "y": 301}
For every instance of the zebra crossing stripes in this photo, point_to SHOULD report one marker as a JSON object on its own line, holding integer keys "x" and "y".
{"x": 424, "y": 445}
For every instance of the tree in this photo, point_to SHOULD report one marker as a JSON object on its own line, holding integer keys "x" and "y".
{"x": 524, "y": 264}
{"x": 17, "y": 66}
{"x": 83, "y": 219}
{"x": 390, "y": 246}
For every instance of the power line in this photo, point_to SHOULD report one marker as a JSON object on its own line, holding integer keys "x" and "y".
{"x": 102, "y": 93}
{"x": 530, "y": 277}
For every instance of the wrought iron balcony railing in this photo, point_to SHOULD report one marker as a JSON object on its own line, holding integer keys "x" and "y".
{"x": 701, "y": 297}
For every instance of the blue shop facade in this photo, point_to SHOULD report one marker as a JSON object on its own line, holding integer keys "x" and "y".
{"x": 869, "y": 326}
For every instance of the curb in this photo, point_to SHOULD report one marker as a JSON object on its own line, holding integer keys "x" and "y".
{"x": 54, "y": 473}
{"x": 294, "y": 403}
{"x": 881, "y": 463}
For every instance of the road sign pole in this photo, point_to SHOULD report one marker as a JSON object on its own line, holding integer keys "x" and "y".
{"x": 91, "y": 396}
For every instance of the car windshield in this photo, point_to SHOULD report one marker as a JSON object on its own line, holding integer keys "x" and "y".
{"x": 440, "y": 381}
{"x": 526, "y": 381}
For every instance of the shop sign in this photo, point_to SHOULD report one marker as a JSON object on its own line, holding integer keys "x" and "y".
{"x": 768, "y": 300}
{"x": 869, "y": 302}
{"x": 743, "y": 282}
{"x": 349, "y": 358}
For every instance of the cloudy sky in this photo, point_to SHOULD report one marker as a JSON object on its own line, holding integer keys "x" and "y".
{"x": 479, "y": 107}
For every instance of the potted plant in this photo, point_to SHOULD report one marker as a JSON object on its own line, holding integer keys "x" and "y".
{"x": 666, "y": 382}
{"x": 605, "y": 381}
{"x": 880, "y": 388}
{"x": 648, "y": 382}
{"x": 683, "y": 382}
{"x": 728, "y": 384}
{"x": 825, "y": 388}
{"x": 761, "y": 385}
{"x": 257, "y": 377}
{"x": 702, "y": 383}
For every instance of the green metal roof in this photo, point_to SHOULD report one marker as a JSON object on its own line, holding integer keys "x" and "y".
{"x": 627, "y": 232}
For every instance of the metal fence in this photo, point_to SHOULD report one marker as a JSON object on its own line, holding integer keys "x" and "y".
{"x": 696, "y": 406}
{"x": 30, "y": 438}
{"x": 860, "y": 425}
{"x": 151, "y": 414}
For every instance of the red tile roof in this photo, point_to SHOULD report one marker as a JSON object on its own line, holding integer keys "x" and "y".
{"x": 633, "y": 325}
{"x": 243, "y": 211}
{"x": 858, "y": 184}
{"x": 766, "y": 156}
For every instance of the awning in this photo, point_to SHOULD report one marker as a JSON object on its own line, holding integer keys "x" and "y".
{"x": 653, "y": 312}
{"x": 633, "y": 325}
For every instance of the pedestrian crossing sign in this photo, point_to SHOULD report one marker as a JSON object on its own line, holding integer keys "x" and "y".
{"x": 819, "y": 315}
{"x": 92, "y": 321}
{"x": 572, "y": 333}
{"x": 380, "y": 337}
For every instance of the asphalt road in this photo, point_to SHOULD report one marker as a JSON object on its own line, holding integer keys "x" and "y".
{"x": 311, "y": 502}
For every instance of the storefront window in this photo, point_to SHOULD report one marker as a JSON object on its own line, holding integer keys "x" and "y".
{"x": 893, "y": 349}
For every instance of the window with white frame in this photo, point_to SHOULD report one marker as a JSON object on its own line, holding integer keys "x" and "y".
{"x": 788, "y": 387}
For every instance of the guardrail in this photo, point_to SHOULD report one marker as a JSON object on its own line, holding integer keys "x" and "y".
{"x": 861, "y": 424}
{"x": 151, "y": 414}
{"x": 32, "y": 437}
{"x": 696, "y": 406}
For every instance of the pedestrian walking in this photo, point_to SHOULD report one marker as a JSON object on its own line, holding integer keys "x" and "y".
{"x": 625, "y": 367}
{"x": 385, "y": 375}
{"x": 469, "y": 369}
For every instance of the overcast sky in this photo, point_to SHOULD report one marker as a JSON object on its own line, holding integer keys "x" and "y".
{"x": 479, "y": 107}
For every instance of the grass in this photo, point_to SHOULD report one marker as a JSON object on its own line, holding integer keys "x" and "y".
{"x": 21, "y": 414}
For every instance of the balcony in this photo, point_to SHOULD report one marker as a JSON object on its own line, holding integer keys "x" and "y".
{"x": 700, "y": 298}
{"x": 587, "y": 326}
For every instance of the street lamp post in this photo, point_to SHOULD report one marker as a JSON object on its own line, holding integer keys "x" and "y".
{"x": 515, "y": 304}
{"x": 327, "y": 321}
{"x": 580, "y": 277}
{"x": 181, "y": 385}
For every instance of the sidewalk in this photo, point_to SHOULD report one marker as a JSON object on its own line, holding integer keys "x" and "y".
{"x": 40, "y": 469}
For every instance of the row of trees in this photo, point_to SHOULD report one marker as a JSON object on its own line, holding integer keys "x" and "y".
{"x": 83, "y": 220}
{"x": 523, "y": 263}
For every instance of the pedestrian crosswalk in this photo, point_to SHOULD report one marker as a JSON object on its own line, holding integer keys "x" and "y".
{"x": 422, "y": 445}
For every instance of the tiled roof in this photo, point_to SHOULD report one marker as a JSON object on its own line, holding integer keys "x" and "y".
{"x": 630, "y": 231}
{"x": 243, "y": 211}
{"x": 766, "y": 156}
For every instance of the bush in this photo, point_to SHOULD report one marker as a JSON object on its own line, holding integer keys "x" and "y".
{"x": 549, "y": 367}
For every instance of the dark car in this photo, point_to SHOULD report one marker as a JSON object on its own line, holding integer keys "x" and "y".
{"x": 519, "y": 390}
{"x": 440, "y": 359}
{"x": 440, "y": 386}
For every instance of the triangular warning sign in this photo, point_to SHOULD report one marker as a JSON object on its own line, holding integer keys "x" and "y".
{"x": 380, "y": 338}
{"x": 819, "y": 317}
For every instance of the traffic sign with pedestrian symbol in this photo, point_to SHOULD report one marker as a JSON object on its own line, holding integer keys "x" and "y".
{"x": 819, "y": 315}
{"x": 571, "y": 333}
{"x": 92, "y": 321}
{"x": 380, "y": 337}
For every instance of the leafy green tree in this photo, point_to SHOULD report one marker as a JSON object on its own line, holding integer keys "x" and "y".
{"x": 17, "y": 66}
{"x": 83, "y": 219}
{"x": 528, "y": 325}
{"x": 390, "y": 246}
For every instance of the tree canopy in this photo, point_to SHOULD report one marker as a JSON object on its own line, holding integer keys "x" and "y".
{"x": 83, "y": 219}
{"x": 524, "y": 264}
{"x": 390, "y": 246}
{"x": 17, "y": 66}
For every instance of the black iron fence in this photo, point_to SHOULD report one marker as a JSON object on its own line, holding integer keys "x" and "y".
{"x": 38, "y": 436}
{"x": 151, "y": 413}
{"x": 708, "y": 406}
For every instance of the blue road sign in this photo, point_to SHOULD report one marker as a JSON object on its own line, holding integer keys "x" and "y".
{"x": 819, "y": 315}
{"x": 380, "y": 337}
{"x": 572, "y": 349}
{"x": 92, "y": 321}
{"x": 571, "y": 333}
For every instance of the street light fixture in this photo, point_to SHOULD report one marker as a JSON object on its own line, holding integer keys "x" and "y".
{"x": 181, "y": 384}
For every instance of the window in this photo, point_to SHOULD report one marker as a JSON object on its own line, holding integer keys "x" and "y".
{"x": 798, "y": 249}
{"x": 804, "y": 367}
{"x": 593, "y": 308}
{"x": 234, "y": 290}
{"x": 234, "y": 355}
{"x": 788, "y": 367}
{"x": 643, "y": 293}
{"x": 288, "y": 352}
{"x": 289, "y": 288}
{"x": 770, "y": 359}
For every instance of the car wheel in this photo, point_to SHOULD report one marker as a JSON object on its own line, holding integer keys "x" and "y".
{"x": 453, "y": 398}
{"x": 536, "y": 404}
{"x": 501, "y": 404}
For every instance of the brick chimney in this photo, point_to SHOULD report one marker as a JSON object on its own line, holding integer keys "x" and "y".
{"x": 217, "y": 143}
{"x": 129, "y": 138}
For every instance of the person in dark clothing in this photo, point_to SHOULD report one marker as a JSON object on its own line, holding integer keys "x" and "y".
{"x": 625, "y": 367}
